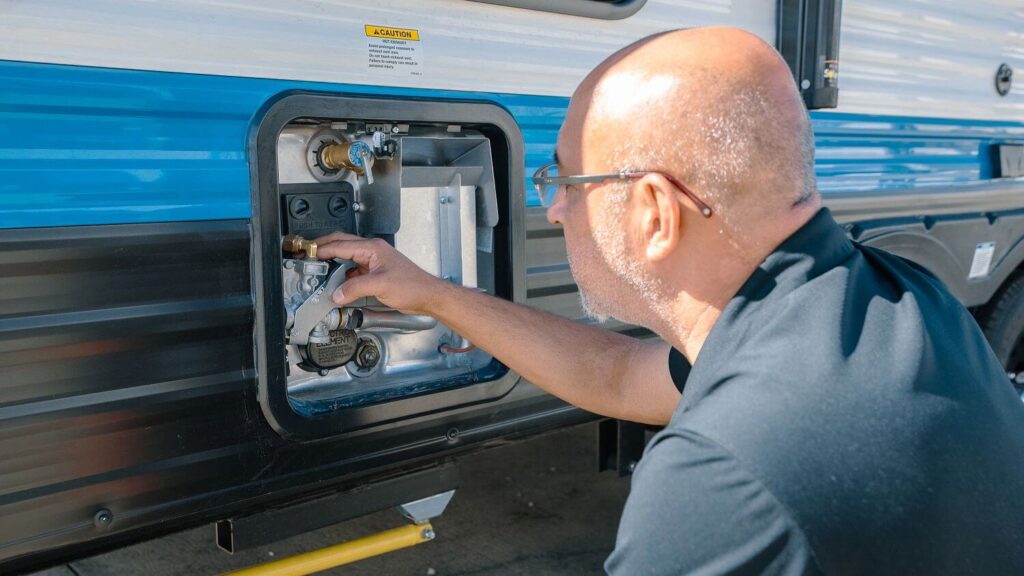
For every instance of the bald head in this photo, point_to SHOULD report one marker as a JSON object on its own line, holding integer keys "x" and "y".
{"x": 715, "y": 107}
{"x": 716, "y": 111}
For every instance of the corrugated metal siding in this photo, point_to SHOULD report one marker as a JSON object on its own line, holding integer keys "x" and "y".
{"x": 908, "y": 58}
{"x": 862, "y": 153}
{"x": 927, "y": 58}
{"x": 466, "y": 45}
{"x": 125, "y": 354}
{"x": 127, "y": 383}
{"x": 93, "y": 146}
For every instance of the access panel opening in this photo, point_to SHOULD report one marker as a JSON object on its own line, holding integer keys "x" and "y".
{"x": 434, "y": 181}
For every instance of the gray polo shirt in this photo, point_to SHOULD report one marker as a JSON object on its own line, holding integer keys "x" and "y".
{"x": 845, "y": 416}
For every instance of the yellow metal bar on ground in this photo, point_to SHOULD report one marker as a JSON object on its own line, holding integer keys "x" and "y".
{"x": 344, "y": 553}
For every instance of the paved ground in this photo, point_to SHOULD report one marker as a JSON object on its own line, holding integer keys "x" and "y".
{"x": 535, "y": 507}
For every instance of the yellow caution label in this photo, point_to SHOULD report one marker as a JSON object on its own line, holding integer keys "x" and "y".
{"x": 392, "y": 33}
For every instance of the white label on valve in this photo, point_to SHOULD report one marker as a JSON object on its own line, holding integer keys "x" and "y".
{"x": 397, "y": 51}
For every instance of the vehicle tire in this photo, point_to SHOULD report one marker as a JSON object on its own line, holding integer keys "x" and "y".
{"x": 1002, "y": 321}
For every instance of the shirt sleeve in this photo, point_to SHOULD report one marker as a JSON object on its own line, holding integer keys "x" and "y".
{"x": 678, "y": 368}
{"x": 694, "y": 509}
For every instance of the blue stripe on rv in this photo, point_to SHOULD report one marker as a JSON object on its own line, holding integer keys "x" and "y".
{"x": 82, "y": 145}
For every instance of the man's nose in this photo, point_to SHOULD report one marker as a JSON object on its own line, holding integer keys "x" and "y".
{"x": 556, "y": 212}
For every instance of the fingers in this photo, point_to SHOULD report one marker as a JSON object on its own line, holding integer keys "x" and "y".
{"x": 361, "y": 251}
{"x": 336, "y": 236}
{"x": 355, "y": 288}
{"x": 357, "y": 271}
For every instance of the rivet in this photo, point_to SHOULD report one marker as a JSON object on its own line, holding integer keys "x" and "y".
{"x": 103, "y": 518}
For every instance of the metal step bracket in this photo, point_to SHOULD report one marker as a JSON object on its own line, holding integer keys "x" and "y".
{"x": 426, "y": 509}
{"x": 419, "y": 495}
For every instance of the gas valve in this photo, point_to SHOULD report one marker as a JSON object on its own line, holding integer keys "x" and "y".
{"x": 295, "y": 244}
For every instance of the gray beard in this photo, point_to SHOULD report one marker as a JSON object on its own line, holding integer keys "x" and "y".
{"x": 621, "y": 302}
{"x": 592, "y": 314}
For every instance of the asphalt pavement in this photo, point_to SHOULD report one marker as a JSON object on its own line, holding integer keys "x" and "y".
{"x": 533, "y": 507}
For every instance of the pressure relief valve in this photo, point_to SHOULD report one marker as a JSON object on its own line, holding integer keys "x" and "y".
{"x": 356, "y": 156}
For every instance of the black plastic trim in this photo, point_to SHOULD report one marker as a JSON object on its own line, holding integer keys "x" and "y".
{"x": 945, "y": 246}
{"x": 985, "y": 196}
{"x": 808, "y": 39}
{"x": 507, "y": 143}
{"x": 126, "y": 355}
{"x": 603, "y": 9}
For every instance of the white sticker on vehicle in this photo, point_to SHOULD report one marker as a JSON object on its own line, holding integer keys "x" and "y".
{"x": 394, "y": 50}
{"x": 982, "y": 260}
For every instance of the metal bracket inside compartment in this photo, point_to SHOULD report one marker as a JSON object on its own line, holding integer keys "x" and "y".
{"x": 318, "y": 305}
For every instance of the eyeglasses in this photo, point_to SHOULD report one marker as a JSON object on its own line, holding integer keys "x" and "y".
{"x": 547, "y": 182}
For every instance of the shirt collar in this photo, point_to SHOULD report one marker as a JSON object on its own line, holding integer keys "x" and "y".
{"x": 817, "y": 247}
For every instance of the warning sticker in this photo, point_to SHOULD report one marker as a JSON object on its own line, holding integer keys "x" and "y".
{"x": 394, "y": 50}
{"x": 982, "y": 260}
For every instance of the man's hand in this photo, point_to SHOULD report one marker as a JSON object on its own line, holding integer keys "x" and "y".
{"x": 597, "y": 370}
{"x": 381, "y": 272}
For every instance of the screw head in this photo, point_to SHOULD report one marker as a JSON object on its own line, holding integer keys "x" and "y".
{"x": 452, "y": 434}
{"x": 299, "y": 207}
{"x": 337, "y": 205}
{"x": 103, "y": 518}
{"x": 428, "y": 534}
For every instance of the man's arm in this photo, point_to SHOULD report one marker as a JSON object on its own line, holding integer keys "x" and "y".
{"x": 598, "y": 370}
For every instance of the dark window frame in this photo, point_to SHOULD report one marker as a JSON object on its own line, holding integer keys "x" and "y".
{"x": 807, "y": 33}
{"x": 602, "y": 9}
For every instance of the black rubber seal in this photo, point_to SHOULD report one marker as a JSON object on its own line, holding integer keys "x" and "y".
{"x": 510, "y": 237}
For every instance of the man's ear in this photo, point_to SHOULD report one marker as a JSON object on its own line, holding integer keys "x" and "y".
{"x": 662, "y": 216}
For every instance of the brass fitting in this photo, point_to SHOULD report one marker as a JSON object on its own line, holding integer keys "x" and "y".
{"x": 293, "y": 243}
{"x": 338, "y": 156}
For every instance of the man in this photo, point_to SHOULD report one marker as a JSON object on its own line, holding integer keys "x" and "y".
{"x": 843, "y": 415}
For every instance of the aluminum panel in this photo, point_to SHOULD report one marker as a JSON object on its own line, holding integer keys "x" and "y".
{"x": 465, "y": 45}
{"x": 936, "y": 59}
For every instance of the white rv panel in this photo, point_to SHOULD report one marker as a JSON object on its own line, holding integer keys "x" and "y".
{"x": 931, "y": 58}
{"x": 464, "y": 45}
